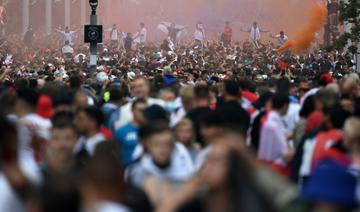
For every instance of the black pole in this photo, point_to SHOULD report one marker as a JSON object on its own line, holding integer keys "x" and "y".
{"x": 93, "y": 46}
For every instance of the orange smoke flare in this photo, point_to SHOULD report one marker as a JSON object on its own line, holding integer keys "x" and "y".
{"x": 306, "y": 34}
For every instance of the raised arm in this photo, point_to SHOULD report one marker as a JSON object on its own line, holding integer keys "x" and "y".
{"x": 60, "y": 31}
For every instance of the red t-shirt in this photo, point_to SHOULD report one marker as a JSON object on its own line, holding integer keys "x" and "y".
{"x": 323, "y": 142}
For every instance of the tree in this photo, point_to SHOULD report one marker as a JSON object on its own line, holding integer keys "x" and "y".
{"x": 349, "y": 13}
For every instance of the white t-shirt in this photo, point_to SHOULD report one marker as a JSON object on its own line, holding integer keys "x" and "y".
{"x": 114, "y": 34}
{"x": 181, "y": 168}
{"x": 90, "y": 143}
{"x": 68, "y": 36}
{"x": 199, "y": 35}
{"x": 142, "y": 36}
{"x": 29, "y": 126}
{"x": 281, "y": 40}
{"x": 9, "y": 200}
{"x": 67, "y": 49}
{"x": 126, "y": 115}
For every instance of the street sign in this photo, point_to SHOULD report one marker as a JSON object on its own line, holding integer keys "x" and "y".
{"x": 93, "y": 34}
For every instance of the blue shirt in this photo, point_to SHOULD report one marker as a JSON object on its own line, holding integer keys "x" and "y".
{"x": 127, "y": 135}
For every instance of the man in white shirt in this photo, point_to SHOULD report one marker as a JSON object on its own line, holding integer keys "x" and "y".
{"x": 114, "y": 36}
{"x": 159, "y": 171}
{"x": 67, "y": 50}
{"x": 88, "y": 121}
{"x": 199, "y": 34}
{"x": 67, "y": 35}
{"x": 281, "y": 37}
{"x": 255, "y": 34}
{"x": 273, "y": 145}
{"x": 33, "y": 131}
{"x": 140, "y": 37}
{"x": 140, "y": 88}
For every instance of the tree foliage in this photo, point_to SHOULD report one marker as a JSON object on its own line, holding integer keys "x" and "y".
{"x": 349, "y": 13}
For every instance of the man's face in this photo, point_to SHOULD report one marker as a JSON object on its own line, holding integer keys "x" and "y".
{"x": 161, "y": 146}
{"x": 82, "y": 122}
{"x": 140, "y": 88}
{"x": 138, "y": 113}
{"x": 62, "y": 143}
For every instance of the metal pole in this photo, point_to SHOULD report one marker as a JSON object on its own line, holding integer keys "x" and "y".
{"x": 48, "y": 17}
{"x": 93, "y": 46}
{"x": 25, "y": 15}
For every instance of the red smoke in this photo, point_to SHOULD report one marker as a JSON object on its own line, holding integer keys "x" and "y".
{"x": 306, "y": 34}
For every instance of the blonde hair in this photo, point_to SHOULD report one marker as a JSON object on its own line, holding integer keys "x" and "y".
{"x": 187, "y": 92}
{"x": 184, "y": 121}
{"x": 352, "y": 128}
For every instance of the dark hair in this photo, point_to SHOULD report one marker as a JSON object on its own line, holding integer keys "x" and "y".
{"x": 279, "y": 100}
{"x": 338, "y": 117}
{"x": 155, "y": 113}
{"x": 116, "y": 94}
{"x": 265, "y": 97}
{"x": 104, "y": 171}
{"x": 63, "y": 119}
{"x": 212, "y": 119}
{"x": 94, "y": 113}
{"x": 153, "y": 128}
{"x": 232, "y": 87}
{"x": 75, "y": 81}
{"x": 8, "y": 137}
{"x": 8, "y": 100}
{"x": 30, "y": 96}
{"x": 21, "y": 83}
{"x": 283, "y": 85}
{"x": 201, "y": 91}
{"x": 33, "y": 83}
{"x": 136, "y": 102}
{"x": 308, "y": 106}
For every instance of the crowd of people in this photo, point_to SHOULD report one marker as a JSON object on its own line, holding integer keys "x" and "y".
{"x": 214, "y": 125}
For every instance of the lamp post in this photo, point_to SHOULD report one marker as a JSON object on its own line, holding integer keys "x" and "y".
{"x": 93, "y": 46}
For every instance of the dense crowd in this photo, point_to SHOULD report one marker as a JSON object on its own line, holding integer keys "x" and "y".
{"x": 185, "y": 127}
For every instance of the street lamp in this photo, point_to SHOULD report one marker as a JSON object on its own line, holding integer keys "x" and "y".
{"x": 93, "y": 4}
{"x": 93, "y": 35}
